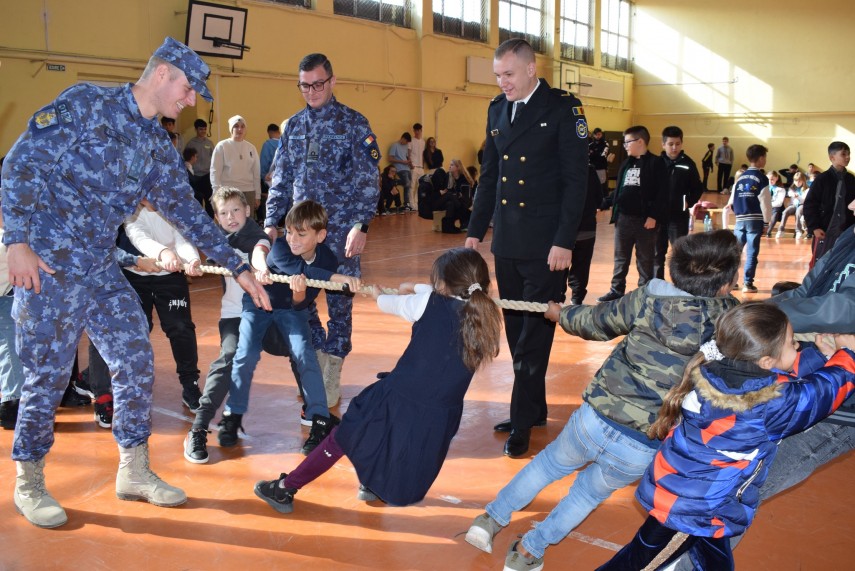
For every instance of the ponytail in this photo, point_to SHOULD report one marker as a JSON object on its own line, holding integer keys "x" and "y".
{"x": 672, "y": 405}
{"x": 480, "y": 329}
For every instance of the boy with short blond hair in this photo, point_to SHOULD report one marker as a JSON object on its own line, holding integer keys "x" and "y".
{"x": 232, "y": 213}
{"x": 300, "y": 254}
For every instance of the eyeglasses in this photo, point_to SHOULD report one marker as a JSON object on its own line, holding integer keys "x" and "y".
{"x": 631, "y": 141}
{"x": 317, "y": 86}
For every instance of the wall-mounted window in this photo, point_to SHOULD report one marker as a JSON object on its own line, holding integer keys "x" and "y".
{"x": 577, "y": 30}
{"x": 461, "y": 18}
{"x": 395, "y": 12}
{"x": 300, "y": 3}
{"x": 614, "y": 34}
{"x": 522, "y": 19}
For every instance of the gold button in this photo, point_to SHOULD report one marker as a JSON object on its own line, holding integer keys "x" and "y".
{"x": 504, "y": 179}
{"x": 504, "y": 201}
{"x": 522, "y": 182}
{"x": 522, "y": 204}
{"x": 505, "y": 157}
{"x": 522, "y": 159}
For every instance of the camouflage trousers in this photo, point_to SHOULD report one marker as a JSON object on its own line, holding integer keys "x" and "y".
{"x": 49, "y": 327}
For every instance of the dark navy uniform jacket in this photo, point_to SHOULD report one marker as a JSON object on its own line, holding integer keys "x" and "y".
{"x": 534, "y": 175}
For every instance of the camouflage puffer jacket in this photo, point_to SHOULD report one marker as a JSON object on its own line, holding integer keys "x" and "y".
{"x": 663, "y": 327}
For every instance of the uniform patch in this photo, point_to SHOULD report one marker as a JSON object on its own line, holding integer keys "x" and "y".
{"x": 64, "y": 112}
{"x": 370, "y": 143}
{"x": 296, "y": 137}
{"x": 581, "y": 128}
{"x": 334, "y": 137}
{"x": 136, "y": 168}
{"x": 578, "y": 111}
{"x": 45, "y": 119}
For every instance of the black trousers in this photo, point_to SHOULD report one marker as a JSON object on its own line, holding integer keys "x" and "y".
{"x": 667, "y": 234}
{"x": 170, "y": 296}
{"x": 529, "y": 334}
{"x": 580, "y": 270}
{"x": 713, "y": 554}
{"x": 630, "y": 233}
{"x": 723, "y": 175}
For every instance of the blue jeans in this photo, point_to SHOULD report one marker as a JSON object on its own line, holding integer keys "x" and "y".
{"x": 614, "y": 461}
{"x": 405, "y": 180}
{"x": 11, "y": 372}
{"x": 749, "y": 232}
{"x": 294, "y": 327}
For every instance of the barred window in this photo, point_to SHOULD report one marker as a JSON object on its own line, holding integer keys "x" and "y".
{"x": 461, "y": 18}
{"x": 396, "y": 12}
{"x": 300, "y": 3}
{"x": 522, "y": 19}
{"x": 577, "y": 30}
{"x": 614, "y": 35}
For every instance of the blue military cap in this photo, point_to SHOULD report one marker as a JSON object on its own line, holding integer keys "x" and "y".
{"x": 197, "y": 71}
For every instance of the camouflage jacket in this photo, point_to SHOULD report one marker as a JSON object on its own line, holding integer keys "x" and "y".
{"x": 328, "y": 155}
{"x": 82, "y": 167}
{"x": 663, "y": 327}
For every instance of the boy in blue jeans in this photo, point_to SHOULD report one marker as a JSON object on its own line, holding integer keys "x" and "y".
{"x": 300, "y": 254}
{"x": 606, "y": 438}
{"x": 752, "y": 207}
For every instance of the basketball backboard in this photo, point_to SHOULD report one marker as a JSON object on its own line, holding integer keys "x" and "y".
{"x": 216, "y": 30}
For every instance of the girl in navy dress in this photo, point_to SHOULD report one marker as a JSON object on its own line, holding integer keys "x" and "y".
{"x": 396, "y": 432}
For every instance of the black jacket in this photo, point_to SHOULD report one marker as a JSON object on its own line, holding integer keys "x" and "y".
{"x": 683, "y": 184}
{"x": 534, "y": 176}
{"x": 647, "y": 200}
{"x": 819, "y": 204}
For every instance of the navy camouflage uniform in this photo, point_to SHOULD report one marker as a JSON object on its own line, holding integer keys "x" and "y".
{"x": 81, "y": 167}
{"x": 329, "y": 155}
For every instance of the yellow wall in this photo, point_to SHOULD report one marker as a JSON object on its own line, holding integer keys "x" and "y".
{"x": 775, "y": 73}
{"x": 394, "y": 76}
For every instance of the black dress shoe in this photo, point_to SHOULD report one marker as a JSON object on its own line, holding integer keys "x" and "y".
{"x": 517, "y": 443}
{"x": 506, "y": 426}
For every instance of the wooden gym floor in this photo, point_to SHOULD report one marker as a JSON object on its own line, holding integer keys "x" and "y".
{"x": 224, "y": 526}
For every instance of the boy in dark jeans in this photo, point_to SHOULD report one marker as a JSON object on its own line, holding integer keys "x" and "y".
{"x": 683, "y": 190}
{"x": 299, "y": 254}
{"x": 638, "y": 206}
{"x": 752, "y": 207}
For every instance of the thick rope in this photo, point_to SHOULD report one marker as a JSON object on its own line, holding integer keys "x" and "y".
{"x": 321, "y": 284}
{"x": 669, "y": 550}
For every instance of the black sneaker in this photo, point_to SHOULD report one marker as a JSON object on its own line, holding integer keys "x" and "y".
{"x": 70, "y": 398}
{"x": 229, "y": 427}
{"x": 610, "y": 296}
{"x": 81, "y": 387}
{"x": 196, "y": 446}
{"x": 104, "y": 411}
{"x": 279, "y": 498}
{"x": 321, "y": 427}
{"x": 190, "y": 396}
{"x": 9, "y": 414}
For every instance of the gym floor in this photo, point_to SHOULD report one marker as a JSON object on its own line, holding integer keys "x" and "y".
{"x": 224, "y": 526}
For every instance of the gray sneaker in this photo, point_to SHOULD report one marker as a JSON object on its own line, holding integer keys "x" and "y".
{"x": 482, "y": 532}
{"x": 516, "y": 561}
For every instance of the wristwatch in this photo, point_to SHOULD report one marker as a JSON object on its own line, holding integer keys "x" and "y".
{"x": 362, "y": 227}
{"x": 244, "y": 267}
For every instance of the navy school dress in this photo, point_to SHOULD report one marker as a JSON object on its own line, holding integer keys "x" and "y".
{"x": 397, "y": 431}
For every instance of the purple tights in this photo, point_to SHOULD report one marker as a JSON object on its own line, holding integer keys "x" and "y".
{"x": 319, "y": 460}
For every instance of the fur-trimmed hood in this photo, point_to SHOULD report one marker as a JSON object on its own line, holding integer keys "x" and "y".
{"x": 753, "y": 391}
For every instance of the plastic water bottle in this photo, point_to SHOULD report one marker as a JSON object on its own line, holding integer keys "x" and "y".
{"x": 707, "y": 223}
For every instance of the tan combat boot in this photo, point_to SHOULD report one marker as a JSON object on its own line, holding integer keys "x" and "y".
{"x": 332, "y": 379}
{"x": 136, "y": 481}
{"x": 32, "y": 500}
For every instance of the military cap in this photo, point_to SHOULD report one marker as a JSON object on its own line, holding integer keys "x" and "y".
{"x": 197, "y": 71}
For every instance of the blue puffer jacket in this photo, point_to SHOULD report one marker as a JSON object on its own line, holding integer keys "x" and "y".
{"x": 704, "y": 480}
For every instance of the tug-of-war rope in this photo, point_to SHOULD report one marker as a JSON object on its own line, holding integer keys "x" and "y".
{"x": 321, "y": 284}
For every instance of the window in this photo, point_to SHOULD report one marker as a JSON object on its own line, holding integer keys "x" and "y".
{"x": 576, "y": 32}
{"x": 300, "y": 3}
{"x": 522, "y": 19}
{"x": 461, "y": 18}
{"x": 614, "y": 35}
{"x": 395, "y": 12}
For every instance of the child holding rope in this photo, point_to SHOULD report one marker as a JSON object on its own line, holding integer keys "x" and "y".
{"x": 722, "y": 425}
{"x": 301, "y": 253}
{"x": 606, "y": 438}
{"x": 397, "y": 431}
